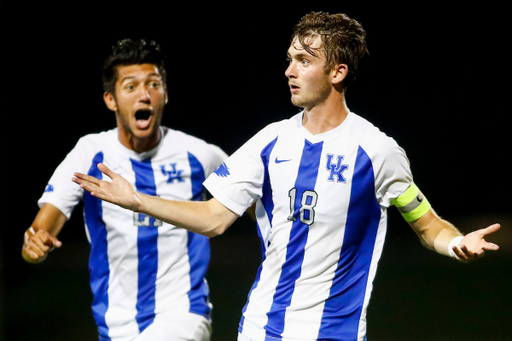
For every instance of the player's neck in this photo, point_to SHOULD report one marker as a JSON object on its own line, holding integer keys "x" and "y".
{"x": 139, "y": 145}
{"x": 326, "y": 116}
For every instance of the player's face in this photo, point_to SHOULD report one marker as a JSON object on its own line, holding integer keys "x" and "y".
{"x": 139, "y": 100}
{"x": 309, "y": 83}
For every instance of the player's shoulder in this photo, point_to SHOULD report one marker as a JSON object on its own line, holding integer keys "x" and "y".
{"x": 286, "y": 124}
{"x": 98, "y": 137}
{"x": 97, "y": 141}
{"x": 180, "y": 139}
{"x": 274, "y": 129}
{"x": 173, "y": 134}
{"x": 371, "y": 138}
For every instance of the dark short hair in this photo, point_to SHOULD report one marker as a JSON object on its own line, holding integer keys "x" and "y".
{"x": 343, "y": 40}
{"x": 129, "y": 52}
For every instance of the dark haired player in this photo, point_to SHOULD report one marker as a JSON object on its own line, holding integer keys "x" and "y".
{"x": 323, "y": 181}
{"x": 147, "y": 276}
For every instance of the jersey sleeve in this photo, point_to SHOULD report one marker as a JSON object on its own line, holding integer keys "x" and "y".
{"x": 60, "y": 190}
{"x": 395, "y": 186}
{"x": 394, "y": 176}
{"x": 238, "y": 182}
{"x": 216, "y": 157}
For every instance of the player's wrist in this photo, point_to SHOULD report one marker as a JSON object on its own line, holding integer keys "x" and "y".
{"x": 141, "y": 203}
{"x": 454, "y": 242}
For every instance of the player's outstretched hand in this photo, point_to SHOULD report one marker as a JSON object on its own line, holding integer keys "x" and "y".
{"x": 474, "y": 245}
{"x": 37, "y": 245}
{"x": 119, "y": 191}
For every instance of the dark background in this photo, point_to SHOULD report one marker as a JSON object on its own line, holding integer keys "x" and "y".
{"x": 436, "y": 80}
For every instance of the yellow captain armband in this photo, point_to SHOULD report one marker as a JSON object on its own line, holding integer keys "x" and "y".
{"x": 412, "y": 204}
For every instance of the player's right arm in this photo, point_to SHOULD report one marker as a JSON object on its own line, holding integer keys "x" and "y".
{"x": 209, "y": 218}
{"x": 41, "y": 237}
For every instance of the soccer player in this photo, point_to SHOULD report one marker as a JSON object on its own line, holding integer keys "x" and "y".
{"x": 322, "y": 181}
{"x": 147, "y": 276}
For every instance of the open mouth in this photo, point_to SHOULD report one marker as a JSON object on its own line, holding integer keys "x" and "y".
{"x": 293, "y": 88}
{"x": 142, "y": 115}
{"x": 143, "y": 118}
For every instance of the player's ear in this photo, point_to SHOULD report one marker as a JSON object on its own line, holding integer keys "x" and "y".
{"x": 110, "y": 101}
{"x": 339, "y": 73}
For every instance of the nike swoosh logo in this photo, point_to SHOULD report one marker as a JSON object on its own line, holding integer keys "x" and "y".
{"x": 280, "y": 161}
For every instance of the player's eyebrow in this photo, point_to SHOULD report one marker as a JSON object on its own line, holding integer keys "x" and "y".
{"x": 299, "y": 55}
{"x": 129, "y": 78}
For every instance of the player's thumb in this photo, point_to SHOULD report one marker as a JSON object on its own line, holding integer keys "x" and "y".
{"x": 54, "y": 242}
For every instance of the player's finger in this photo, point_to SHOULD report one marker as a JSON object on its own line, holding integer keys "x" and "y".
{"x": 466, "y": 251}
{"x": 38, "y": 242}
{"x": 461, "y": 256}
{"x": 491, "y": 229}
{"x": 33, "y": 254}
{"x": 36, "y": 249}
{"x": 490, "y": 247}
{"x": 87, "y": 185}
{"x": 76, "y": 179}
{"x": 101, "y": 195}
{"x": 80, "y": 178}
{"x": 107, "y": 171}
{"x": 53, "y": 241}
{"x": 50, "y": 241}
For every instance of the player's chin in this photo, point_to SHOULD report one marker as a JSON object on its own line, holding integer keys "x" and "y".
{"x": 298, "y": 101}
{"x": 145, "y": 133}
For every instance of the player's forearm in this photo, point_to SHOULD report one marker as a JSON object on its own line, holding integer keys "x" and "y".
{"x": 208, "y": 218}
{"x": 446, "y": 234}
{"x": 50, "y": 219}
{"x": 435, "y": 233}
{"x": 41, "y": 237}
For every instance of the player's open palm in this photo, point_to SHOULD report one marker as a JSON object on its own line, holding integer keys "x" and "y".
{"x": 119, "y": 191}
{"x": 474, "y": 245}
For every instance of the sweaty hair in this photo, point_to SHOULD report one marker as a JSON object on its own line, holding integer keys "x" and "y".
{"x": 129, "y": 52}
{"x": 343, "y": 40}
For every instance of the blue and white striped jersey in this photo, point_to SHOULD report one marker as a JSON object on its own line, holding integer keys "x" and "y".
{"x": 140, "y": 266}
{"x": 321, "y": 213}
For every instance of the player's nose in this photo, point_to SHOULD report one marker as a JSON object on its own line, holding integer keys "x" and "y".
{"x": 144, "y": 95}
{"x": 290, "y": 71}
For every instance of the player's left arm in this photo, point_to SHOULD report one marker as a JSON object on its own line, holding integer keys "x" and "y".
{"x": 440, "y": 235}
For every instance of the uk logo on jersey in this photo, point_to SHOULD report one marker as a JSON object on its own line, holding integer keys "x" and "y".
{"x": 336, "y": 168}
{"x": 173, "y": 173}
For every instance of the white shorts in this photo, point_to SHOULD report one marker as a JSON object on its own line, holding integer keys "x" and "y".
{"x": 176, "y": 327}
